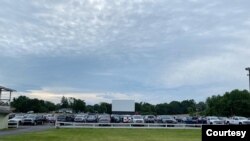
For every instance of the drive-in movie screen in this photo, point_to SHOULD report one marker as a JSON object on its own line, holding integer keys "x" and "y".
{"x": 124, "y": 70}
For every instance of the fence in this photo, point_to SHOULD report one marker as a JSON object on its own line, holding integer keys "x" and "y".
{"x": 126, "y": 125}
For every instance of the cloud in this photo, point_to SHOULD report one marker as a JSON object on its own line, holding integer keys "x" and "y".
{"x": 148, "y": 50}
{"x": 92, "y": 27}
{"x": 55, "y": 94}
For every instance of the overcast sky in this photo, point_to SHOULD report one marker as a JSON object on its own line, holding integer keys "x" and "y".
{"x": 146, "y": 50}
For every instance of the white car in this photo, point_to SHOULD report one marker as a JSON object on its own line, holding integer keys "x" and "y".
{"x": 80, "y": 118}
{"x": 137, "y": 119}
{"x": 237, "y": 120}
{"x": 214, "y": 120}
{"x": 50, "y": 118}
{"x": 16, "y": 120}
{"x": 126, "y": 119}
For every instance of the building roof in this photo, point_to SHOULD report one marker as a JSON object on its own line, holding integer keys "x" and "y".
{"x": 5, "y": 110}
{"x": 6, "y": 89}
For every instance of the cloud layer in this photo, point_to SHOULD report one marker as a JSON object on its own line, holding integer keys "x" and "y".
{"x": 154, "y": 51}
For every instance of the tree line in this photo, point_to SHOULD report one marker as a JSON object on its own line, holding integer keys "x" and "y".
{"x": 231, "y": 103}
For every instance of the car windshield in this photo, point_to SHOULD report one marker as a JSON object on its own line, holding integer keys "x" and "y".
{"x": 242, "y": 118}
{"x": 18, "y": 117}
{"x": 82, "y": 116}
{"x": 91, "y": 117}
{"x": 31, "y": 116}
{"x": 214, "y": 118}
{"x": 166, "y": 117}
{"x": 104, "y": 116}
{"x": 61, "y": 116}
{"x": 137, "y": 117}
{"x": 150, "y": 116}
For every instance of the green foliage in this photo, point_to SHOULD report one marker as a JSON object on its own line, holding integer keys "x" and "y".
{"x": 174, "y": 107}
{"x": 105, "y": 108}
{"x": 145, "y": 108}
{"x": 231, "y": 103}
{"x": 25, "y": 104}
{"x": 64, "y": 102}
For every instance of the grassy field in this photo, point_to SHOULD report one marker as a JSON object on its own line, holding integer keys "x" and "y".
{"x": 108, "y": 135}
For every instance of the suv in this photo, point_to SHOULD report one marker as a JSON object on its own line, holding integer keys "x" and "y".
{"x": 80, "y": 118}
{"x": 166, "y": 119}
{"x": 214, "y": 120}
{"x": 91, "y": 118}
{"x": 16, "y": 120}
{"x": 104, "y": 119}
{"x": 33, "y": 119}
{"x": 149, "y": 119}
{"x": 137, "y": 119}
{"x": 65, "y": 118}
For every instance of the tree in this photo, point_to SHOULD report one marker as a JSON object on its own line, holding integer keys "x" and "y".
{"x": 175, "y": 107}
{"x": 161, "y": 109}
{"x": 21, "y": 104}
{"x": 64, "y": 102}
{"x": 25, "y": 104}
{"x": 97, "y": 108}
{"x": 90, "y": 109}
{"x": 188, "y": 106}
{"x": 201, "y": 107}
{"x": 147, "y": 108}
{"x": 78, "y": 105}
{"x": 231, "y": 103}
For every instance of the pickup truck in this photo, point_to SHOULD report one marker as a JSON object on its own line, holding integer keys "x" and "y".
{"x": 237, "y": 120}
{"x": 214, "y": 120}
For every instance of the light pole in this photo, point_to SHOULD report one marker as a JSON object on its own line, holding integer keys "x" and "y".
{"x": 248, "y": 69}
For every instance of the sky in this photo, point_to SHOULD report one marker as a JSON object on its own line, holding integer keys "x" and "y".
{"x": 146, "y": 50}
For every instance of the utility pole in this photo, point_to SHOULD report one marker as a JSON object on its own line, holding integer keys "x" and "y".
{"x": 248, "y": 69}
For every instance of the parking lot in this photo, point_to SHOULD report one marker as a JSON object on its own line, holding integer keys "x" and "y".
{"x": 36, "y": 122}
{"x": 25, "y": 129}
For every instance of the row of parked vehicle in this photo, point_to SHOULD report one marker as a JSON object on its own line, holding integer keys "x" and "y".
{"x": 31, "y": 119}
{"x": 105, "y": 118}
{"x": 35, "y": 119}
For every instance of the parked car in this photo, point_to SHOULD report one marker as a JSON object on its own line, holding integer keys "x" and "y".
{"x": 149, "y": 119}
{"x": 33, "y": 119}
{"x": 214, "y": 120}
{"x": 80, "y": 118}
{"x": 224, "y": 119}
{"x": 126, "y": 119}
{"x": 91, "y": 118}
{"x": 65, "y": 118}
{"x": 137, "y": 119}
{"x": 195, "y": 120}
{"x": 50, "y": 118}
{"x": 61, "y": 118}
{"x": 104, "y": 119}
{"x": 166, "y": 119}
{"x": 16, "y": 120}
{"x": 115, "y": 119}
{"x": 179, "y": 119}
{"x": 237, "y": 120}
{"x": 12, "y": 115}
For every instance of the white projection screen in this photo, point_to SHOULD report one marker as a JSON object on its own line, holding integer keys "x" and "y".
{"x": 123, "y": 105}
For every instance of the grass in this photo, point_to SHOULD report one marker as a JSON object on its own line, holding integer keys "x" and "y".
{"x": 108, "y": 135}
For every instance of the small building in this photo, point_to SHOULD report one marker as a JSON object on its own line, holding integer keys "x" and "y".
{"x": 5, "y": 110}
